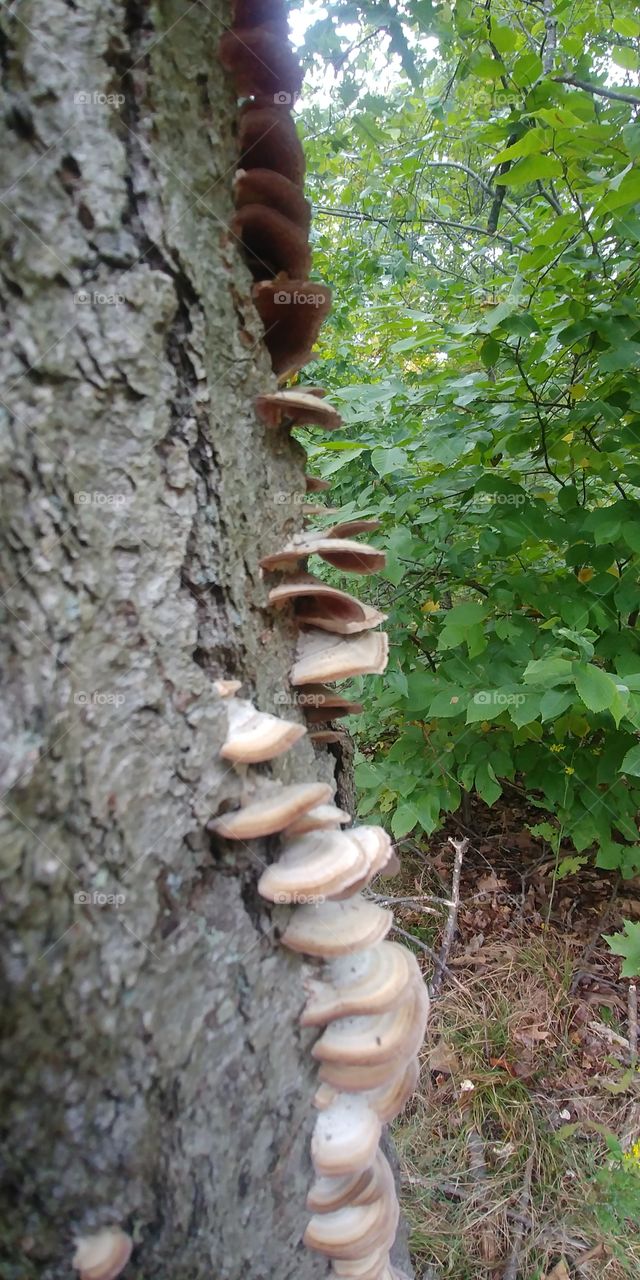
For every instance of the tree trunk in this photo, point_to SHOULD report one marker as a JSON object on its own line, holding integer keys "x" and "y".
{"x": 154, "y": 1072}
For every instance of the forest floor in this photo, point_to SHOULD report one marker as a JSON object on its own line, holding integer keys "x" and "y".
{"x": 521, "y": 1150}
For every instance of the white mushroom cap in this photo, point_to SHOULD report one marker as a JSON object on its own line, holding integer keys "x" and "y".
{"x": 102, "y": 1256}
{"x": 371, "y": 1038}
{"x": 377, "y": 844}
{"x": 342, "y": 553}
{"x": 345, "y": 1137}
{"x": 254, "y": 736}
{"x": 346, "y": 1232}
{"x": 322, "y": 818}
{"x": 329, "y": 1193}
{"x": 364, "y": 983}
{"x": 313, "y": 866}
{"x": 374, "y": 1267}
{"x": 322, "y": 657}
{"x": 277, "y": 807}
{"x": 388, "y": 1100}
{"x": 336, "y": 928}
{"x": 378, "y": 1071}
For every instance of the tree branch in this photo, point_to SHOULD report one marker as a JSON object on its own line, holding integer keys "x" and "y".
{"x": 616, "y": 94}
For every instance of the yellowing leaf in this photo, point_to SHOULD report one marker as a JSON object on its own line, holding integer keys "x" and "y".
{"x": 429, "y": 606}
{"x": 577, "y": 392}
{"x": 614, "y": 571}
{"x": 569, "y": 437}
{"x": 586, "y": 574}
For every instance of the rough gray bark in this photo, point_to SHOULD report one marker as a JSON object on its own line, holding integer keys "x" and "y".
{"x": 154, "y": 1074}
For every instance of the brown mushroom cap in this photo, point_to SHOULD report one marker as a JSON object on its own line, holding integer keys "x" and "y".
{"x": 351, "y": 528}
{"x": 266, "y": 187}
{"x": 254, "y": 736}
{"x": 272, "y": 242}
{"x": 307, "y": 591}
{"x": 329, "y": 615}
{"x": 314, "y": 484}
{"x": 336, "y": 928}
{"x": 102, "y": 1256}
{"x": 321, "y": 656}
{"x": 297, "y": 407}
{"x": 368, "y": 982}
{"x": 277, "y": 807}
{"x": 292, "y": 312}
{"x": 321, "y": 696}
{"x": 342, "y": 553}
{"x": 324, "y": 736}
{"x": 320, "y": 715}
{"x": 345, "y": 1137}
{"x": 260, "y": 60}
{"x": 268, "y": 139}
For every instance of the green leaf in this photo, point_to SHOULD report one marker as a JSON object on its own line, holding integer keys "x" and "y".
{"x": 531, "y": 169}
{"x": 627, "y": 944}
{"x": 384, "y": 461}
{"x": 487, "y": 784}
{"x": 404, "y": 820}
{"x": 631, "y": 762}
{"x": 596, "y": 687}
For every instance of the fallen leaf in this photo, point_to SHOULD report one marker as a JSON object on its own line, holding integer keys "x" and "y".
{"x": 560, "y": 1272}
{"x": 443, "y": 1060}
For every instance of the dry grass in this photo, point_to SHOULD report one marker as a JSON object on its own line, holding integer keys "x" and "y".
{"x": 508, "y": 1151}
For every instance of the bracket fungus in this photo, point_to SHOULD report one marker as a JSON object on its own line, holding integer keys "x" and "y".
{"x": 368, "y": 982}
{"x": 268, "y": 140}
{"x": 322, "y": 818}
{"x": 294, "y": 407}
{"x": 272, "y": 190}
{"x": 260, "y": 60}
{"x": 365, "y": 1040}
{"x": 337, "y": 928}
{"x": 315, "y": 484}
{"x": 345, "y": 1137}
{"x": 292, "y": 312}
{"x": 254, "y": 736}
{"x": 272, "y": 242}
{"x": 273, "y": 811}
{"x": 102, "y": 1256}
{"x": 313, "y": 866}
{"x": 321, "y": 657}
{"x": 342, "y": 553}
{"x": 320, "y": 605}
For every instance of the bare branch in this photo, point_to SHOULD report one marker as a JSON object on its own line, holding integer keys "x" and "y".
{"x": 598, "y": 89}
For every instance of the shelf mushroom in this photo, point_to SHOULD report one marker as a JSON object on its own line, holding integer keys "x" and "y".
{"x": 342, "y": 553}
{"x": 292, "y": 311}
{"x": 337, "y": 928}
{"x": 273, "y": 811}
{"x": 272, "y": 242}
{"x": 321, "y": 605}
{"x": 260, "y": 61}
{"x": 368, "y": 982}
{"x": 254, "y": 736}
{"x": 296, "y": 407}
{"x": 322, "y": 818}
{"x": 321, "y": 657}
{"x": 268, "y": 140}
{"x": 103, "y": 1255}
{"x": 266, "y": 187}
{"x": 345, "y": 1137}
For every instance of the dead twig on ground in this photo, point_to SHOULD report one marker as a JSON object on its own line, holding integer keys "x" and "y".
{"x": 428, "y": 951}
{"x": 460, "y": 847}
{"x": 633, "y": 1022}
{"x": 513, "y": 1266}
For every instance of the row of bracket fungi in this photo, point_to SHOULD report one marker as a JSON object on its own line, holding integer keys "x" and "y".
{"x": 368, "y": 998}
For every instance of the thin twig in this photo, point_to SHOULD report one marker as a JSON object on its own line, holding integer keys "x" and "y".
{"x": 428, "y": 951}
{"x": 633, "y": 1022}
{"x": 598, "y": 89}
{"x": 513, "y": 1266}
{"x": 424, "y": 897}
{"x": 460, "y": 847}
